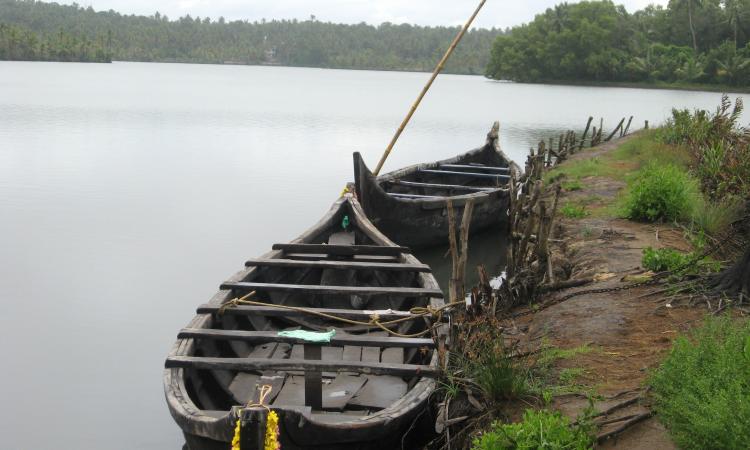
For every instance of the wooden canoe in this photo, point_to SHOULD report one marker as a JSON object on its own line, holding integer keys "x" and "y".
{"x": 409, "y": 205}
{"x": 361, "y": 390}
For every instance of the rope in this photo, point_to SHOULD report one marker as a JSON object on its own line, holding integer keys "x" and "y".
{"x": 416, "y": 313}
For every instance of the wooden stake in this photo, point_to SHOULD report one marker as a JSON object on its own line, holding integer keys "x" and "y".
{"x": 427, "y": 86}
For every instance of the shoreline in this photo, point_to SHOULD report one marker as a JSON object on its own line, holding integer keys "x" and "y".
{"x": 600, "y": 84}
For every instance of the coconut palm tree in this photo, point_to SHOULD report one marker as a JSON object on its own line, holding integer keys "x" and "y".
{"x": 691, "y": 70}
{"x": 732, "y": 67}
{"x": 690, "y": 5}
{"x": 733, "y": 10}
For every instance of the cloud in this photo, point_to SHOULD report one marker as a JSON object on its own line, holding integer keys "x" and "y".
{"x": 496, "y": 13}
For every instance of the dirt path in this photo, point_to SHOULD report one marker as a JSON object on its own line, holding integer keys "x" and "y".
{"x": 626, "y": 333}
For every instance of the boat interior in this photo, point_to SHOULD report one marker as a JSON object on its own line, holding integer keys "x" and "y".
{"x": 337, "y": 270}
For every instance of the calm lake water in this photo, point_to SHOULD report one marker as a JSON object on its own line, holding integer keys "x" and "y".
{"x": 128, "y": 192}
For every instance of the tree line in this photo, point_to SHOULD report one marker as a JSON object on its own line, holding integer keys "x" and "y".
{"x": 285, "y": 42}
{"x": 688, "y": 41}
{"x": 21, "y": 44}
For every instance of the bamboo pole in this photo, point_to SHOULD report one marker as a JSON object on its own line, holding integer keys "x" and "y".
{"x": 427, "y": 86}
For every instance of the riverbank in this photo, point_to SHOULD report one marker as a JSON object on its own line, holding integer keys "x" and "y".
{"x": 626, "y": 333}
{"x": 643, "y": 85}
{"x": 591, "y": 352}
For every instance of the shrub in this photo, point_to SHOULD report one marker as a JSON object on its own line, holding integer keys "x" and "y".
{"x": 538, "y": 430}
{"x": 661, "y": 193}
{"x": 702, "y": 389}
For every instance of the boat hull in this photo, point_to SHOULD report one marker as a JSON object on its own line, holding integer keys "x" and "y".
{"x": 194, "y": 395}
{"x": 423, "y": 222}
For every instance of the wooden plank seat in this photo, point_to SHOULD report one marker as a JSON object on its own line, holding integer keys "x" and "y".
{"x": 441, "y": 186}
{"x": 271, "y": 311}
{"x": 343, "y": 250}
{"x": 476, "y": 167}
{"x": 490, "y": 176}
{"x": 333, "y": 290}
{"x": 413, "y": 196}
{"x": 261, "y": 337}
{"x": 253, "y": 364}
{"x": 338, "y": 264}
{"x": 325, "y": 257}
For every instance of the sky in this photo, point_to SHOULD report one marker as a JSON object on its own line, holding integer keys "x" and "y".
{"x": 496, "y": 13}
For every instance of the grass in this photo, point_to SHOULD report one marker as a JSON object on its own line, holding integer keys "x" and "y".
{"x": 715, "y": 217}
{"x": 539, "y": 430}
{"x": 701, "y": 389}
{"x": 574, "y": 211}
{"x": 573, "y": 185}
{"x": 660, "y": 185}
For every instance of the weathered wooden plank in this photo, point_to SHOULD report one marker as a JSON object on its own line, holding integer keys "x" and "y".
{"x": 342, "y": 250}
{"x": 476, "y": 167}
{"x": 441, "y": 186}
{"x": 258, "y": 337}
{"x": 337, "y": 394}
{"x": 250, "y": 364}
{"x": 313, "y": 379}
{"x": 413, "y": 196}
{"x": 270, "y": 311}
{"x": 334, "y": 290}
{"x": 325, "y": 257}
{"x": 466, "y": 174}
{"x": 392, "y": 355}
{"x": 380, "y": 392}
{"x": 333, "y": 264}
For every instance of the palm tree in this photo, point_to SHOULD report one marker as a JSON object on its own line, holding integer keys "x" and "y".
{"x": 691, "y": 70}
{"x": 690, "y": 4}
{"x": 733, "y": 10}
{"x": 732, "y": 67}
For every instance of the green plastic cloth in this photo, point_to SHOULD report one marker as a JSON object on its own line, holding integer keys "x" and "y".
{"x": 309, "y": 336}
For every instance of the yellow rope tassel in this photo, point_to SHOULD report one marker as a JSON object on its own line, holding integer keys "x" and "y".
{"x": 272, "y": 432}
{"x": 236, "y": 438}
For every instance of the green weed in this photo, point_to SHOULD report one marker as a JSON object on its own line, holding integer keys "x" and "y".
{"x": 539, "y": 430}
{"x": 661, "y": 193}
{"x": 573, "y": 211}
{"x": 573, "y": 185}
{"x": 670, "y": 260}
{"x": 701, "y": 389}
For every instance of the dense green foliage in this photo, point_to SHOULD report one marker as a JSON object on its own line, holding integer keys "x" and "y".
{"x": 661, "y": 192}
{"x": 286, "y": 42}
{"x": 21, "y": 44}
{"x": 600, "y": 41}
{"x": 702, "y": 390}
{"x": 720, "y": 147}
{"x": 538, "y": 430}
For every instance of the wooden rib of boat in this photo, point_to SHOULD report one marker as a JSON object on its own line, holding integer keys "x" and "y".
{"x": 361, "y": 390}
{"x": 409, "y": 205}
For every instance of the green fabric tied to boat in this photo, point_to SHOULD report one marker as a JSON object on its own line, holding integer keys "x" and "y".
{"x": 309, "y": 336}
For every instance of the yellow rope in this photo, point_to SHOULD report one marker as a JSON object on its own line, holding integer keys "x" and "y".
{"x": 416, "y": 313}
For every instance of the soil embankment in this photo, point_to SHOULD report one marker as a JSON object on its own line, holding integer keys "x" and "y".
{"x": 625, "y": 332}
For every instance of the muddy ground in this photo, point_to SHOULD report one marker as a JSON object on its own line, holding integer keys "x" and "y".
{"x": 627, "y": 332}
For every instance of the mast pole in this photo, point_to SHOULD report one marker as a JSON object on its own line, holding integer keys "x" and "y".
{"x": 426, "y": 88}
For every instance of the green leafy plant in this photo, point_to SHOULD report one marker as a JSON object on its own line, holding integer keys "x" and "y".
{"x": 670, "y": 260}
{"x": 661, "y": 193}
{"x": 701, "y": 389}
{"x": 539, "y": 430}
{"x": 573, "y": 185}
{"x": 573, "y": 211}
{"x": 664, "y": 259}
